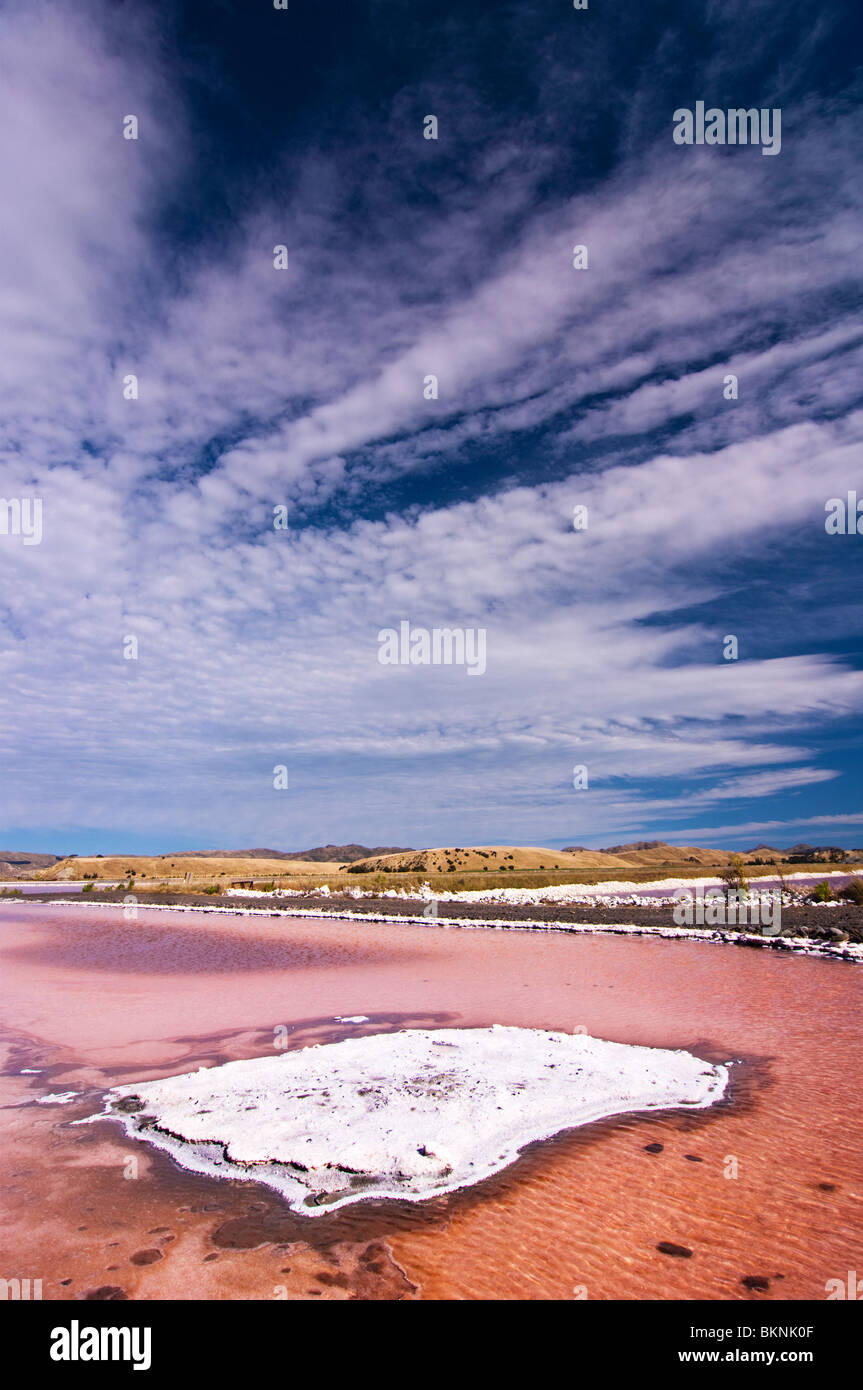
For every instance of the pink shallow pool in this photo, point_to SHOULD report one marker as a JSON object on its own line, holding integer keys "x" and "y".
{"x": 767, "y": 1185}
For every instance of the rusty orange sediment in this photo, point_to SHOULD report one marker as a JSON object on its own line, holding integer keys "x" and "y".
{"x": 763, "y": 1189}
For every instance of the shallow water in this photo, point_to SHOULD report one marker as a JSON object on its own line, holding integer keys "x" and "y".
{"x": 91, "y": 999}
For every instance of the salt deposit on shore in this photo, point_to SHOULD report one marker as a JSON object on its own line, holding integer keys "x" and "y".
{"x": 410, "y": 1115}
{"x": 718, "y": 936}
{"x": 612, "y": 893}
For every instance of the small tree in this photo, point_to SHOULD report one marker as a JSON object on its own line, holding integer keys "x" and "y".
{"x": 734, "y": 875}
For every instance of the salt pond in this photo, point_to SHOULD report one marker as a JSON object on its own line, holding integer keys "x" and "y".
{"x": 407, "y": 1114}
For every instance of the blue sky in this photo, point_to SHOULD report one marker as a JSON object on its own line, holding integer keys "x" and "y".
{"x": 407, "y": 257}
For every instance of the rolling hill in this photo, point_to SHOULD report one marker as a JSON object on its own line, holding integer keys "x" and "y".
{"x": 175, "y": 868}
{"x": 16, "y": 863}
{"x": 493, "y": 858}
{"x": 646, "y": 853}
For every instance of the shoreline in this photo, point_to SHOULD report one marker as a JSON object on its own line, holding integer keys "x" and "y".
{"x": 800, "y": 945}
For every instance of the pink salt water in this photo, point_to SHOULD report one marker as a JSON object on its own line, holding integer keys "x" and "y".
{"x": 764, "y": 1190}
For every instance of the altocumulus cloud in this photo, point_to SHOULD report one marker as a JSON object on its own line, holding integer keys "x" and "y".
{"x": 602, "y": 388}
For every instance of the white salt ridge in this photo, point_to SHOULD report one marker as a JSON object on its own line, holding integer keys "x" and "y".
{"x": 352, "y": 1018}
{"x": 612, "y": 893}
{"x": 59, "y": 1098}
{"x": 717, "y": 936}
{"x": 410, "y": 1115}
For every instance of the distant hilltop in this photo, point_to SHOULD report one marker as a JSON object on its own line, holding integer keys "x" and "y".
{"x": 801, "y": 854}
{"x": 645, "y": 853}
{"x": 633, "y": 844}
{"x": 225, "y": 854}
{"x": 348, "y": 854}
{"x": 485, "y": 859}
{"x": 336, "y": 854}
{"x": 15, "y": 863}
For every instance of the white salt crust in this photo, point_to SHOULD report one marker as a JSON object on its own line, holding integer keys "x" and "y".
{"x": 409, "y": 1115}
{"x": 613, "y": 893}
{"x": 720, "y": 936}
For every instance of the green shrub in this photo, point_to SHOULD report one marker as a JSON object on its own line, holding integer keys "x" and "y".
{"x": 214, "y": 888}
{"x": 822, "y": 892}
{"x": 88, "y": 887}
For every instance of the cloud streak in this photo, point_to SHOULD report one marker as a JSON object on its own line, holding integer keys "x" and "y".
{"x": 602, "y": 388}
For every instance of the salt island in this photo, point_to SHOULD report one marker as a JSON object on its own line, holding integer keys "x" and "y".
{"x": 408, "y": 1115}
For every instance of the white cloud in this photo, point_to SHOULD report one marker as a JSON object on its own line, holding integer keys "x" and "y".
{"x": 258, "y": 647}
